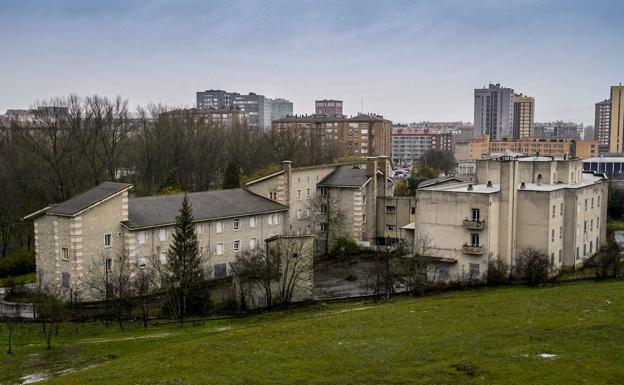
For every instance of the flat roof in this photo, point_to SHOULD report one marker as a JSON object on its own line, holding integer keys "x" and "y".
{"x": 604, "y": 159}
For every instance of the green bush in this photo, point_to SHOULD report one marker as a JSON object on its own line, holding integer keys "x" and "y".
{"x": 497, "y": 273}
{"x": 19, "y": 262}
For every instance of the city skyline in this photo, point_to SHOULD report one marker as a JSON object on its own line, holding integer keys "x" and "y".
{"x": 407, "y": 61}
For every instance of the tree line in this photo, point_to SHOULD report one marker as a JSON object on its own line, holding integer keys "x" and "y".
{"x": 74, "y": 143}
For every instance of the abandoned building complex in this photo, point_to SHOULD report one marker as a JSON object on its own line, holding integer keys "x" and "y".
{"x": 515, "y": 203}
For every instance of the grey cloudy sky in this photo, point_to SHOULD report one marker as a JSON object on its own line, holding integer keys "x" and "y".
{"x": 408, "y": 60}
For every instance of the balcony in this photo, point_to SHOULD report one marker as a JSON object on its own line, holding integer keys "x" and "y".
{"x": 472, "y": 224}
{"x": 473, "y": 249}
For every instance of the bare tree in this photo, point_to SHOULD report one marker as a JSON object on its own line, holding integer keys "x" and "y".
{"x": 143, "y": 287}
{"x": 414, "y": 263}
{"x": 51, "y": 311}
{"x": 281, "y": 269}
{"x": 326, "y": 216}
{"x": 11, "y": 316}
{"x": 533, "y": 266}
{"x": 111, "y": 278}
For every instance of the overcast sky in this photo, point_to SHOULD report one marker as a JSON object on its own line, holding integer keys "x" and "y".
{"x": 407, "y": 60}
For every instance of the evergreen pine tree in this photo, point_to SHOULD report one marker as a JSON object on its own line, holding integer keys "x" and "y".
{"x": 231, "y": 178}
{"x": 184, "y": 262}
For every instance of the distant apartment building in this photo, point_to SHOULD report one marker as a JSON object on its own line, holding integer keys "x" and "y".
{"x": 362, "y": 135}
{"x": 224, "y": 117}
{"x": 602, "y": 124}
{"x": 328, "y": 107}
{"x": 485, "y": 148}
{"x": 558, "y": 130}
{"x": 493, "y": 112}
{"x": 616, "y": 141}
{"x": 276, "y": 109}
{"x": 514, "y": 204}
{"x": 409, "y": 145}
{"x": 252, "y": 104}
{"x": 523, "y": 116}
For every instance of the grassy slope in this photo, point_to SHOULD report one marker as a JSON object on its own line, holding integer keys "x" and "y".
{"x": 486, "y": 337}
{"x": 19, "y": 279}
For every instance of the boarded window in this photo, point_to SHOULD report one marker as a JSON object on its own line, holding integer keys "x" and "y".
{"x": 220, "y": 270}
{"x": 65, "y": 277}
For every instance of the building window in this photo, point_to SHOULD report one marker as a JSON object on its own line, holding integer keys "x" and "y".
{"x": 163, "y": 257}
{"x": 142, "y": 237}
{"x": 252, "y": 222}
{"x": 552, "y": 258}
{"x": 219, "y": 249}
{"x": 109, "y": 264}
{"x": 307, "y": 212}
{"x": 108, "y": 240}
{"x": 65, "y": 278}
{"x": 298, "y": 213}
{"x": 220, "y": 270}
{"x": 584, "y": 249}
{"x": 585, "y": 204}
{"x": 476, "y": 215}
{"x": 363, "y": 218}
{"x": 236, "y": 224}
{"x": 592, "y": 202}
{"x": 252, "y": 243}
{"x": 323, "y": 209}
{"x": 560, "y": 255}
{"x": 142, "y": 263}
{"x": 298, "y": 194}
{"x": 65, "y": 254}
{"x": 413, "y": 210}
{"x": 308, "y": 193}
{"x": 390, "y": 209}
{"x": 323, "y": 227}
{"x": 236, "y": 245}
{"x": 552, "y": 235}
{"x": 474, "y": 239}
{"x": 276, "y": 219}
{"x": 323, "y": 191}
{"x": 390, "y": 227}
{"x": 591, "y": 247}
{"x": 560, "y": 232}
{"x": 162, "y": 235}
{"x": 554, "y": 208}
{"x": 199, "y": 228}
{"x": 474, "y": 269}
{"x": 219, "y": 227}
{"x": 577, "y": 252}
{"x": 561, "y": 209}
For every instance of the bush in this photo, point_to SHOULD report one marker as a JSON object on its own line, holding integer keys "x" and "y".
{"x": 607, "y": 261}
{"x": 497, "y": 273}
{"x": 344, "y": 248}
{"x": 532, "y": 265}
{"x": 19, "y": 262}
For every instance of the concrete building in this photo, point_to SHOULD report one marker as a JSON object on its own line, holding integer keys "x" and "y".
{"x": 351, "y": 188}
{"x": 329, "y": 107}
{"x": 611, "y": 166}
{"x": 493, "y": 112}
{"x": 485, "y": 148}
{"x": 104, "y": 222}
{"x": 514, "y": 204}
{"x": 523, "y": 116}
{"x": 616, "y": 141}
{"x": 362, "y": 135}
{"x": 558, "y": 130}
{"x": 602, "y": 125}
{"x": 252, "y": 104}
{"x": 409, "y": 145}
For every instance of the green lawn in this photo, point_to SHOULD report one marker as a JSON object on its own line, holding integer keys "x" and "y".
{"x": 488, "y": 336}
{"x": 19, "y": 279}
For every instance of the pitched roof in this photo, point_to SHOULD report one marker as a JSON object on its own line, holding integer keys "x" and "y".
{"x": 161, "y": 210}
{"x": 346, "y": 176}
{"x": 443, "y": 180}
{"x": 88, "y": 198}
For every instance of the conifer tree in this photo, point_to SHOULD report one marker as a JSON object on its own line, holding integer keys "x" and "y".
{"x": 231, "y": 178}
{"x": 184, "y": 262}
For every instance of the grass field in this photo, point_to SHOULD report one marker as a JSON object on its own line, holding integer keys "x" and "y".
{"x": 19, "y": 279}
{"x": 567, "y": 334}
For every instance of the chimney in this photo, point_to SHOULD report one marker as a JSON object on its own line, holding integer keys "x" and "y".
{"x": 539, "y": 179}
{"x": 371, "y": 166}
{"x": 469, "y": 187}
{"x": 489, "y": 183}
{"x": 287, "y": 165}
{"x": 522, "y": 186}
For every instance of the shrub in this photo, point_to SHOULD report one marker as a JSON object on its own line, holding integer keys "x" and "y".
{"x": 19, "y": 262}
{"x": 497, "y": 273}
{"x": 607, "y": 261}
{"x": 532, "y": 265}
{"x": 345, "y": 248}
